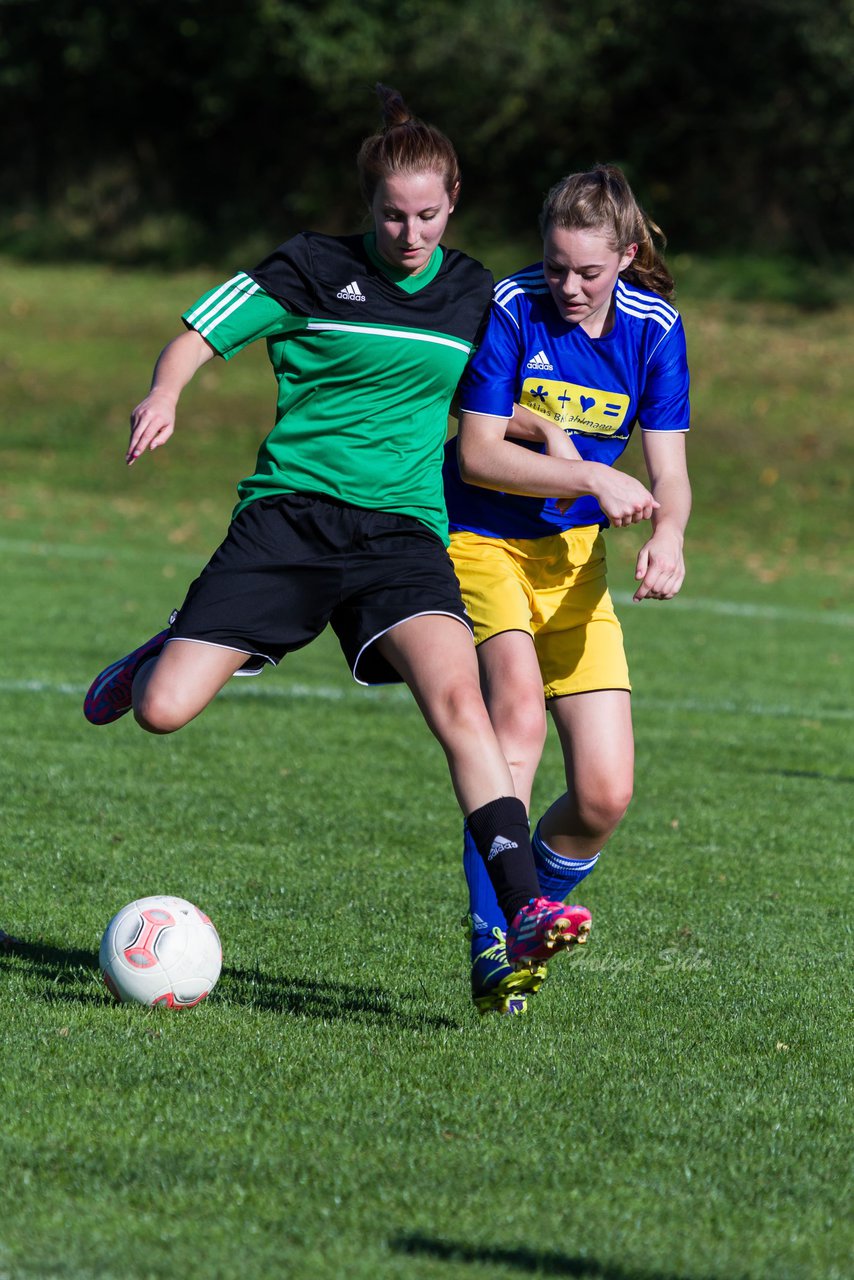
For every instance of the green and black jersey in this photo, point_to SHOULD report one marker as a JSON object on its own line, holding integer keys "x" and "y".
{"x": 367, "y": 360}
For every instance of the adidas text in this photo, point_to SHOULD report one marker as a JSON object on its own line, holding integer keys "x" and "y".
{"x": 500, "y": 845}
{"x": 539, "y": 361}
{"x": 351, "y": 292}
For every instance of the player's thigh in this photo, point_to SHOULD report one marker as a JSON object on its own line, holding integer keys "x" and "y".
{"x": 597, "y": 740}
{"x": 185, "y": 677}
{"x": 434, "y": 654}
{"x": 513, "y": 686}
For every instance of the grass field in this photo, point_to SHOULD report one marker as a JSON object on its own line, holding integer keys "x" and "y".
{"x": 676, "y": 1107}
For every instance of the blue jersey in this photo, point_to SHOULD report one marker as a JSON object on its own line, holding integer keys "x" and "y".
{"x": 597, "y": 389}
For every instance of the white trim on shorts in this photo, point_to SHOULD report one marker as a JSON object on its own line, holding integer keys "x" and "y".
{"x": 212, "y": 644}
{"x": 424, "y": 613}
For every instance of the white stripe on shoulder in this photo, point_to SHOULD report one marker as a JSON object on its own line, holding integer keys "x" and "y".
{"x": 638, "y": 292}
{"x": 530, "y": 283}
{"x": 646, "y": 302}
{"x": 216, "y": 296}
{"x": 646, "y": 306}
{"x": 532, "y": 280}
{"x": 646, "y": 313}
{"x": 236, "y": 299}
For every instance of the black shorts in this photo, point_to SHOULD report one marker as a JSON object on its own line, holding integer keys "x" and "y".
{"x": 292, "y": 563}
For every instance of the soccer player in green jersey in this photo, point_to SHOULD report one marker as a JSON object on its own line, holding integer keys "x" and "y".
{"x": 343, "y": 521}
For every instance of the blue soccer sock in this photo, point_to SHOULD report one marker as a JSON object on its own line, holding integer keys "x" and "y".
{"x": 558, "y": 876}
{"x": 483, "y": 904}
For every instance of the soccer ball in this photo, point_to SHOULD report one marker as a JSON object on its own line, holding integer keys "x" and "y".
{"x": 160, "y": 951}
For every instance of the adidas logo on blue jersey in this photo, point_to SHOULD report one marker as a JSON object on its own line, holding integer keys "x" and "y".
{"x": 352, "y": 293}
{"x": 539, "y": 361}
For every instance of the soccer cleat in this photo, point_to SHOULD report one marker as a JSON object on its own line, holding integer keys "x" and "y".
{"x": 109, "y": 695}
{"x": 543, "y": 928}
{"x": 6, "y": 943}
{"x": 496, "y": 987}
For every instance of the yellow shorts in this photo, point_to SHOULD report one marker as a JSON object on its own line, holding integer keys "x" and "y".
{"x": 554, "y": 589}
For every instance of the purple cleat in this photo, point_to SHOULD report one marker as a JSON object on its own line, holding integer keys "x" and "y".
{"x": 109, "y": 696}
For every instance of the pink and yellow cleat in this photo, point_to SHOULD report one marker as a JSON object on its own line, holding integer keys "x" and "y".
{"x": 543, "y": 928}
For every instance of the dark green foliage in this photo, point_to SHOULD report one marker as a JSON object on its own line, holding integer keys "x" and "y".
{"x": 168, "y": 130}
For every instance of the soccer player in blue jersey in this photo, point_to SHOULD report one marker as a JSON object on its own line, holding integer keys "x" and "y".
{"x": 343, "y": 521}
{"x": 586, "y": 346}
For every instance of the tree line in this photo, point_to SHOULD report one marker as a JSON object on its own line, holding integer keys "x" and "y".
{"x": 170, "y": 128}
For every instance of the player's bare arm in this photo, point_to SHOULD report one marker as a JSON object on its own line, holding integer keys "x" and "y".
{"x": 152, "y": 422}
{"x": 660, "y": 567}
{"x": 526, "y": 425}
{"x": 488, "y": 458}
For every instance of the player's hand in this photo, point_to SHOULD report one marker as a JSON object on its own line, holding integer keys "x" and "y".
{"x": 151, "y": 424}
{"x": 623, "y": 498}
{"x": 660, "y": 567}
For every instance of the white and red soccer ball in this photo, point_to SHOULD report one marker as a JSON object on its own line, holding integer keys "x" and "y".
{"x": 160, "y": 951}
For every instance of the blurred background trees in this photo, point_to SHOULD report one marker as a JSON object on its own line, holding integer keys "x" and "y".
{"x": 176, "y": 130}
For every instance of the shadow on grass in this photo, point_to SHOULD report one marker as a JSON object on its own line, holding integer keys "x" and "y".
{"x": 320, "y": 998}
{"x": 533, "y": 1261}
{"x": 57, "y": 974}
{"x": 63, "y": 974}
{"x": 811, "y": 774}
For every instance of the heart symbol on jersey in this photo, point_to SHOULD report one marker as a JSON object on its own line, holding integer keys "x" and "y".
{"x": 586, "y": 403}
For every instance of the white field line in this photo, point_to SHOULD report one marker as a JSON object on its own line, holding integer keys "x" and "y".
{"x": 397, "y": 693}
{"x": 695, "y": 604}
{"x": 734, "y": 609}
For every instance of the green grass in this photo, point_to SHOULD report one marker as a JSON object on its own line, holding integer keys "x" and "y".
{"x": 675, "y": 1107}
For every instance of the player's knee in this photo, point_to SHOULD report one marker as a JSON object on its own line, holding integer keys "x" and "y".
{"x": 604, "y": 807}
{"x": 460, "y": 709}
{"x": 158, "y": 713}
{"x": 521, "y": 725}
{"x": 467, "y": 707}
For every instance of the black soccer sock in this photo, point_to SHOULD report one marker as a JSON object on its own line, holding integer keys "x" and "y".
{"x": 500, "y": 831}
